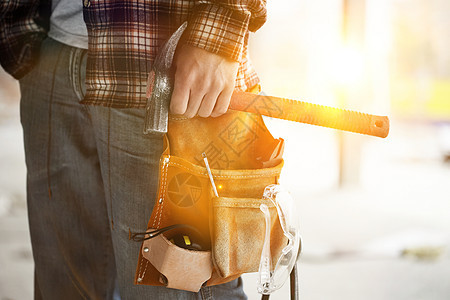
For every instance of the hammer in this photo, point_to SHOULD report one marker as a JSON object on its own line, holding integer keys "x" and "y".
{"x": 160, "y": 85}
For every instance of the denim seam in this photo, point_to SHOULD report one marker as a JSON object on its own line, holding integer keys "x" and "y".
{"x": 49, "y": 145}
{"x": 108, "y": 232}
{"x": 73, "y": 73}
{"x": 76, "y": 56}
{"x": 77, "y": 287}
{"x": 109, "y": 169}
{"x": 107, "y": 254}
{"x": 83, "y": 52}
{"x": 49, "y": 142}
{"x": 206, "y": 293}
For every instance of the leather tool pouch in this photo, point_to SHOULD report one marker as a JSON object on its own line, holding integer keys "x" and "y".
{"x": 244, "y": 159}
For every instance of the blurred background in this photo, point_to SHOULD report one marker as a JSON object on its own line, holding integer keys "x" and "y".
{"x": 374, "y": 213}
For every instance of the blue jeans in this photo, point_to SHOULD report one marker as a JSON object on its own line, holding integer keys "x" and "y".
{"x": 92, "y": 177}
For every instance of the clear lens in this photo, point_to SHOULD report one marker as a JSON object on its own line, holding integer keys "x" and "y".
{"x": 270, "y": 280}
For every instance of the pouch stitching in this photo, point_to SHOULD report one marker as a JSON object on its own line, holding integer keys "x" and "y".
{"x": 141, "y": 274}
{"x": 253, "y": 145}
{"x": 145, "y": 268}
{"x": 158, "y": 213}
{"x": 140, "y": 267}
{"x": 159, "y": 196}
{"x": 273, "y": 173}
{"x": 165, "y": 168}
{"x": 254, "y": 204}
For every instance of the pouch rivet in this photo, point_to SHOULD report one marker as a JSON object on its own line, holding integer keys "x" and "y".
{"x": 146, "y": 249}
{"x": 139, "y": 279}
{"x": 160, "y": 200}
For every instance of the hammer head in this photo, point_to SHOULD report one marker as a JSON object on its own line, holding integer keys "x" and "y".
{"x": 160, "y": 86}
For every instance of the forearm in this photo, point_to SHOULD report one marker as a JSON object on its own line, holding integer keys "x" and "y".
{"x": 221, "y": 26}
{"x": 207, "y": 64}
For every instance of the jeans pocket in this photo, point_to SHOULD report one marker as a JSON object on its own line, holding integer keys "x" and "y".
{"x": 77, "y": 71}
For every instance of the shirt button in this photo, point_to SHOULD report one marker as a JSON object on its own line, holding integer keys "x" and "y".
{"x": 87, "y": 3}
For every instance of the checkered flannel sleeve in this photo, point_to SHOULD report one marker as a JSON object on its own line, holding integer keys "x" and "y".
{"x": 221, "y": 27}
{"x": 23, "y": 26}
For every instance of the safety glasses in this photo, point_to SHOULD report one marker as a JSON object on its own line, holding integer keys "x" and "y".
{"x": 270, "y": 280}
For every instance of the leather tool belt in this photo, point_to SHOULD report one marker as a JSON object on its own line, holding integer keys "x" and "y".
{"x": 244, "y": 159}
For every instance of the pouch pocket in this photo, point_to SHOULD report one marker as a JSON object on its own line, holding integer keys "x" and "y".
{"x": 237, "y": 234}
{"x": 177, "y": 176}
{"x": 183, "y": 269}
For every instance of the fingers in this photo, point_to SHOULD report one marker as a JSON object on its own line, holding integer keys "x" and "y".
{"x": 180, "y": 96}
{"x": 192, "y": 98}
{"x": 186, "y": 96}
{"x": 222, "y": 103}
{"x": 203, "y": 83}
{"x": 195, "y": 99}
{"x": 197, "y": 102}
{"x": 208, "y": 103}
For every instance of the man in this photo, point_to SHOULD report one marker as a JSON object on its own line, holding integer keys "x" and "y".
{"x": 92, "y": 174}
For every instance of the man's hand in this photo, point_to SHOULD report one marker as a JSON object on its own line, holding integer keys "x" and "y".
{"x": 203, "y": 84}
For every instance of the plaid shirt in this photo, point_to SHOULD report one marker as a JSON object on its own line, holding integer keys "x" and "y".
{"x": 125, "y": 36}
{"x": 23, "y": 25}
